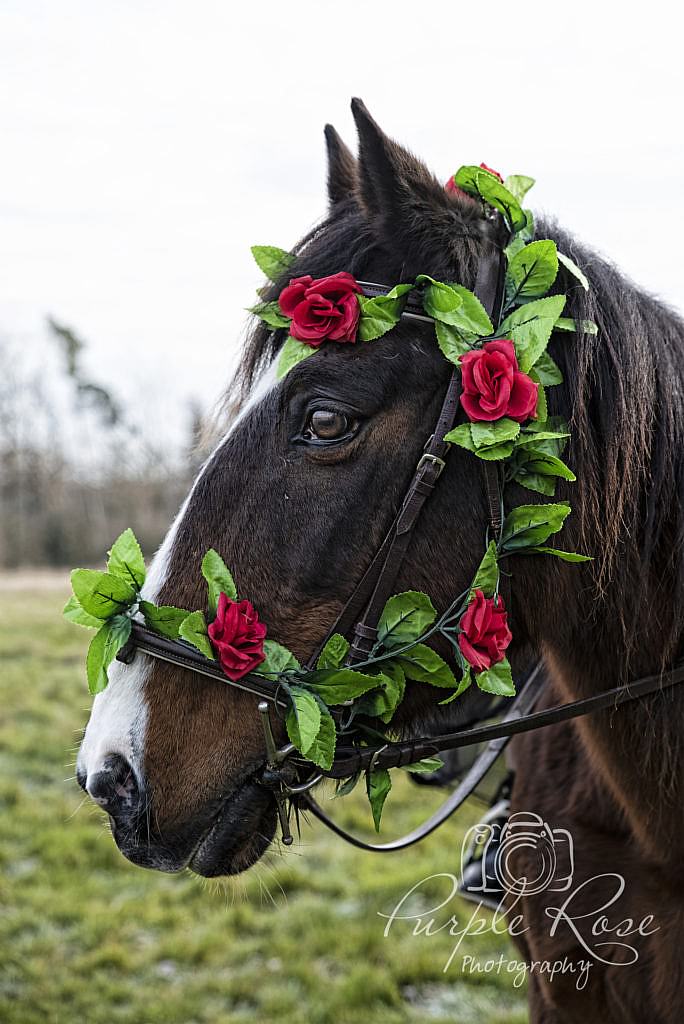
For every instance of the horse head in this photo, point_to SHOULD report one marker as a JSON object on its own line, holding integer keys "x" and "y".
{"x": 297, "y": 498}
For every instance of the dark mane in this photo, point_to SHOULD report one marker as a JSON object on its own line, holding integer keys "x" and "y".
{"x": 625, "y": 387}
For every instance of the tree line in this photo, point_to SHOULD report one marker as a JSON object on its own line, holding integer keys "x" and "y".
{"x": 75, "y": 469}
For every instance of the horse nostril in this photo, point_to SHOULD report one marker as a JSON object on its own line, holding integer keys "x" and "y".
{"x": 113, "y": 786}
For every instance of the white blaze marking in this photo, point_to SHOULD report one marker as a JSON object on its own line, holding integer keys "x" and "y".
{"x": 118, "y": 719}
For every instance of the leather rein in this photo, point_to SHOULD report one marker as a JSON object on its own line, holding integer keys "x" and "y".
{"x": 360, "y": 617}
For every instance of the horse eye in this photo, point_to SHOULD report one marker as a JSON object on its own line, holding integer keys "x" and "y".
{"x": 327, "y": 425}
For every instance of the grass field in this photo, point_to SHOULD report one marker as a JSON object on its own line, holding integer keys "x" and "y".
{"x": 86, "y": 937}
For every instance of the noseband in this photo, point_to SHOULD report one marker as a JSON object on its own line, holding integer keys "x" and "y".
{"x": 282, "y": 772}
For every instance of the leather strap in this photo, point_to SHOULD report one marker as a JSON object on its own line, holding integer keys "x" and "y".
{"x": 395, "y": 755}
{"x": 178, "y": 652}
{"x": 489, "y": 289}
{"x": 427, "y": 473}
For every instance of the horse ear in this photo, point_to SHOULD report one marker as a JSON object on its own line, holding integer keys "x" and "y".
{"x": 342, "y": 168}
{"x": 392, "y": 181}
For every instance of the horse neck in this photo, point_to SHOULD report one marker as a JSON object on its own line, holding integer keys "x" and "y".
{"x": 627, "y": 400}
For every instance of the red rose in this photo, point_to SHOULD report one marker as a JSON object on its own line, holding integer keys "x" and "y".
{"x": 325, "y": 309}
{"x": 238, "y": 637}
{"x": 493, "y": 386}
{"x": 484, "y": 634}
{"x": 492, "y": 171}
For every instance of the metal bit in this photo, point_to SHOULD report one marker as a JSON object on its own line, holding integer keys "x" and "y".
{"x": 274, "y": 759}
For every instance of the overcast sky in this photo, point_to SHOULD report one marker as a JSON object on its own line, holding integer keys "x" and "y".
{"x": 146, "y": 145}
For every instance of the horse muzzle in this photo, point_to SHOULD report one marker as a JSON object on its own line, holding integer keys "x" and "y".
{"x": 225, "y": 838}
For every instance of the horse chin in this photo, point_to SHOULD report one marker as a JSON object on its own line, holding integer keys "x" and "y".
{"x": 240, "y": 834}
{"x": 233, "y": 840}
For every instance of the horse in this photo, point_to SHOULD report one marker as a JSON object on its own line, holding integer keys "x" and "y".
{"x": 298, "y": 495}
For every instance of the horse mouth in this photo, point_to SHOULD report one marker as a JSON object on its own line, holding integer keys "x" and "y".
{"x": 239, "y": 835}
{"x": 234, "y": 839}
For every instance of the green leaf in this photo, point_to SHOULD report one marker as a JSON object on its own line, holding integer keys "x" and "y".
{"x": 486, "y": 434}
{"x": 378, "y": 785}
{"x": 375, "y": 319}
{"x": 451, "y": 341}
{"x": 272, "y": 261}
{"x": 537, "y": 462}
{"x": 550, "y": 436}
{"x": 565, "y": 556}
{"x": 478, "y": 182}
{"x": 400, "y": 291}
{"x": 518, "y": 185}
{"x": 104, "y": 647}
{"x": 530, "y": 525}
{"x": 346, "y": 787}
{"x": 564, "y": 323}
{"x": 392, "y": 692}
{"x": 271, "y": 314}
{"x": 516, "y": 245}
{"x": 487, "y": 575}
{"x": 334, "y": 652}
{"x": 466, "y": 178}
{"x": 530, "y": 327}
{"x": 426, "y": 666}
{"x": 337, "y": 685}
{"x": 545, "y": 485}
{"x": 541, "y": 409}
{"x": 547, "y": 371}
{"x": 547, "y": 465}
{"x": 380, "y": 314}
{"x": 522, "y": 237}
{"x": 164, "y": 619}
{"x": 291, "y": 353}
{"x": 404, "y": 618}
{"x": 303, "y": 719}
{"x": 384, "y": 701}
{"x": 464, "y": 436}
{"x": 219, "y": 579}
{"x": 467, "y": 323}
{"x": 425, "y": 766}
{"x": 194, "y": 630}
{"x": 471, "y": 317}
{"x": 126, "y": 560}
{"x": 553, "y": 428}
{"x": 101, "y": 594}
{"x": 278, "y": 659}
{"x": 440, "y": 300}
{"x": 572, "y": 267}
{"x": 322, "y": 750}
{"x": 463, "y": 685}
{"x": 74, "y": 613}
{"x": 497, "y": 680}
{"x": 531, "y": 272}
{"x": 495, "y": 452}
{"x": 526, "y": 233}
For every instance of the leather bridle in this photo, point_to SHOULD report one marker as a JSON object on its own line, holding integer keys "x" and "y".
{"x": 359, "y": 618}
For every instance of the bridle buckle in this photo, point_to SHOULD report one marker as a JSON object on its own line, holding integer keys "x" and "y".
{"x": 435, "y": 460}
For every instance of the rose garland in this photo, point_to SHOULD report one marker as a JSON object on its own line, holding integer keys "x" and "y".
{"x": 505, "y": 370}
